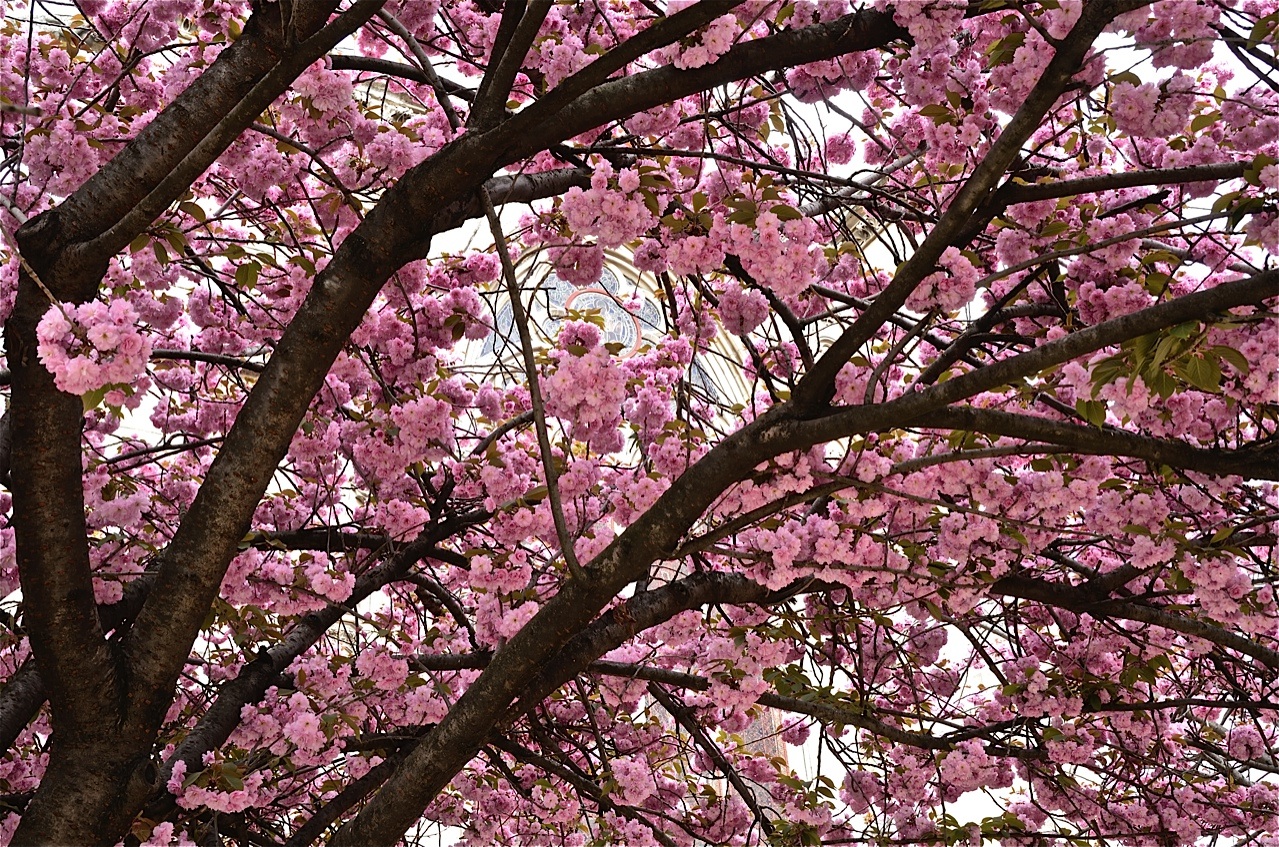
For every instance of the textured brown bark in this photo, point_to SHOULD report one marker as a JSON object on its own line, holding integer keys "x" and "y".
{"x": 100, "y": 768}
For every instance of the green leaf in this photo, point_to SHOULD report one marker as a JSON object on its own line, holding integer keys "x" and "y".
{"x": 650, "y": 201}
{"x": 176, "y": 240}
{"x": 1053, "y": 229}
{"x": 1003, "y": 50}
{"x": 92, "y": 399}
{"x": 1093, "y": 411}
{"x": 1244, "y": 208}
{"x": 939, "y": 113}
{"x": 1155, "y": 256}
{"x": 655, "y": 180}
{"x": 1156, "y": 283}
{"x": 1224, "y": 201}
{"x": 192, "y": 209}
{"x": 246, "y": 276}
{"x": 1165, "y": 349}
{"x": 1203, "y": 374}
{"x": 1231, "y": 355}
{"x": 232, "y": 777}
{"x": 1143, "y": 346}
{"x": 1160, "y": 383}
{"x": 1222, "y": 534}
{"x": 1263, "y": 30}
{"x": 786, "y": 213}
{"x": 1205, "y": 120}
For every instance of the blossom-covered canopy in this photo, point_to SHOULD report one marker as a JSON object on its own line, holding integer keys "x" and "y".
{"x": 488, "y": 421}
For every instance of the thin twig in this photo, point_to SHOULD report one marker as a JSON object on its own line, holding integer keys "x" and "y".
{"x": 517, "y": 306}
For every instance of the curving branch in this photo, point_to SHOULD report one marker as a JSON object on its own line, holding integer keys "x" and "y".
{"x": 1081, "y": 599}
{"x": 1254, "y": 461}
{"x": 344, "y": 62}
{"x": 844, "y": 421}
{"x": 311, "y": 37}
{"x": 208, "y": 358}
{"x": 685, "y": 718}
{"x": 593, "y": 78}
{"x": 1012, "y": 193}
{"x": 20, "y": 699}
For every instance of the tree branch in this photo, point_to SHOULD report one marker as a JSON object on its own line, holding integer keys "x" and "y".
{"x": 818, "y": 386}
{"x": 343, "y": 62}
{"x": 244, "y": 110}
{"x": 1251, "y": 462}
{"x": 515, "y": 33}
{"x": 1080, "y": 599}
{"x": 685, "y": 718}
{"x": 904, "y": 410}
{"x": 255, "y": 678}
{"x": 580, "y": 784}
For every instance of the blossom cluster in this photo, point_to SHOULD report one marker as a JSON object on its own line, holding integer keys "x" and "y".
{"x": 92, "y": 346}
{"x": 587, "y": 388}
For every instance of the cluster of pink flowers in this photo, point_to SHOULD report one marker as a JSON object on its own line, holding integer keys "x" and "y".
{"x": 612, "y": 216}
{"x": 92, "y": 345}
{"x": 715, "y": 40}
{"x": 586, "y": 389}
{"x": 252, "y": 792}
{"x": 948, "y": 290}
{"x": 1150, "y": 111}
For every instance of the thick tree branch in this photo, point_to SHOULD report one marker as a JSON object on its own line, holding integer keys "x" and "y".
{"x": 515, "y": 34}
{"x": 22, "y": 696}
{"x": 904, "y": 410}
{"x": 242, "y": 113}
{"x": 551, "y": 120}
{"x": 199, "y": 113}
{"x": 1080, "y": 599}
{"x": 205, "y": 541}
{"x": 75, "y": 659}
{"x": 591, "y": 79}
{"x": 123, "y": 197}
{"x": 1251, "y": 462}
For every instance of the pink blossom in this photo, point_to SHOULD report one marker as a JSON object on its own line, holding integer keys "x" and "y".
{"x": 93, "y": 345}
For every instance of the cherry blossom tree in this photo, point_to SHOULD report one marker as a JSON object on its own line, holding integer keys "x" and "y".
{"x": 945, "y": 450}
